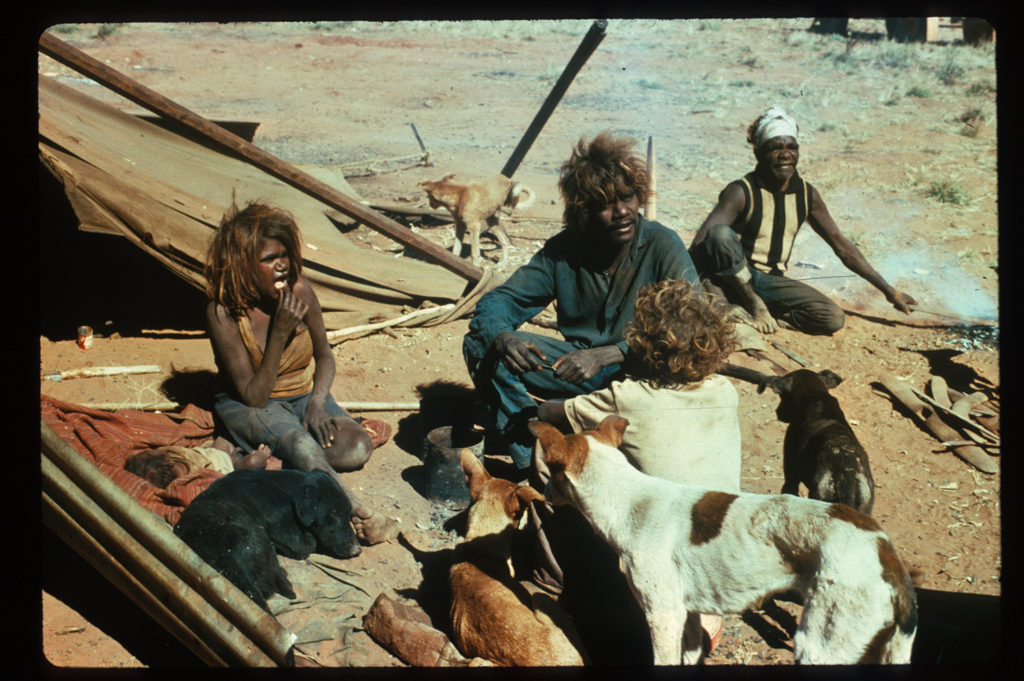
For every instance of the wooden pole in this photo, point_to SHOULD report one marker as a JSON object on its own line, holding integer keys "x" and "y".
{"x": 91, "y": 372}
{"x": 340, "y": 334}
{"x": 929, "y": 419}
{"x": 651, "y": 209}
{"x": 141, "y": 576}
{"x": 157, "y": 103}
{"x": 589, "y": 43}
{"x": 154, "y": 535}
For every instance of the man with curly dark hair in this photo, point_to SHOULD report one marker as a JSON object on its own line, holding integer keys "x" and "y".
{"x": 591, "y": 271}
{"x": 744, "y": 244}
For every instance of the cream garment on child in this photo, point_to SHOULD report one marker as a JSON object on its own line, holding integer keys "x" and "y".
{"x": 689, "y": 435}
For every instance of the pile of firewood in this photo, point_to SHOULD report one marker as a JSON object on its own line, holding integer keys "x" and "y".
{"x": 966, "y": 424}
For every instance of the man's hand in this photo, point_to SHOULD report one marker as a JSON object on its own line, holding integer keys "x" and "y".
{"x": 901, "y": 301}
{"x": 519, "y": 356}
{"x": 582, "y": 365}
{"x": 320, "y": 425}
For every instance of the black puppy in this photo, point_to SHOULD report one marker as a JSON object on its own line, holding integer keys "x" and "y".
{"x": 820, "y": 449}
{"x": 244, "y": 519}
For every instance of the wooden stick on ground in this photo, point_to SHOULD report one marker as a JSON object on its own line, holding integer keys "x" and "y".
{"x": 340, "y": 334}
{"x": 956, "y": 417}
{"x": 792, "y": 355}
{"x": 171, "y": 406}
{"x": 86, "y": 372}
{"x": 930, "y": 420}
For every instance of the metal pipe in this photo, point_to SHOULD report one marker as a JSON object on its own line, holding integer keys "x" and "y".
{"x": 156, "y": 536}
{"x": 75, "y": 536}
{"x": 129, "y": 557}
{"x": 590, "y": 42}
{"x": 134, "y": 91}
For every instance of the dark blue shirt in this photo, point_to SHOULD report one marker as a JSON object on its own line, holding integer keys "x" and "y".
{"x": 593, "y": 309}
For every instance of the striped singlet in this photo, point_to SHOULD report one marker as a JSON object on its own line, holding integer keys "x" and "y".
{"x": 769, "y": 225}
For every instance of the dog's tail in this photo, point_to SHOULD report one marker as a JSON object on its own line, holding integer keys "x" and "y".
{"x": 520, "y": 196}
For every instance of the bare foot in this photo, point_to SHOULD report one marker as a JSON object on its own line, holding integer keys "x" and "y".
{"x": 372, "y": 527}
{"x": 758, "y": 315}
{"x": 764, "y": 321}
{"x": 257, "y": 458}
{"x": 763, "y": 324}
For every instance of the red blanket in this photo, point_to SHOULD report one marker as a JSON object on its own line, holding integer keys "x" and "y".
{"x": 109, "y": 438}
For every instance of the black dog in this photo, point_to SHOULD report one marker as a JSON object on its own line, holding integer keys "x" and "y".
{"x": 244, "y": 519}
{"x": 820, "y": 449}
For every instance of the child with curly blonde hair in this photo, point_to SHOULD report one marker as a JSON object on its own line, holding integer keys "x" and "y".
{"x": 683, "y": 426}
{"x": 683, "y": 417}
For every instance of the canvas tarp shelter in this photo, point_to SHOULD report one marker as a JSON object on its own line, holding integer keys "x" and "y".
{"x": 166, "y": 194}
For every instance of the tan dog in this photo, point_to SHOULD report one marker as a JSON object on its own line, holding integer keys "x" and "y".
{"x": 686, "y": 550}
{"x": 475, "y": 207}
{"x": 493, "y": 616}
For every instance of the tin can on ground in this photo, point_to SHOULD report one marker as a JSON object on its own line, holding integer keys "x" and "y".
{"x": 85, "y": 337}
{"x": 446, "y": 483}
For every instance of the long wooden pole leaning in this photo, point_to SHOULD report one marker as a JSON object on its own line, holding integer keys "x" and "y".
{"x": 157, "y": 103}
{"x": 651, "y": 209}
{"x": 586, "y": 48}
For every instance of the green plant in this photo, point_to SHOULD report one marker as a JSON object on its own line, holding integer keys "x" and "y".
{"x": 894, "y": 55}
{"x": 948, "y": 191}
{"x": 65, "y": 29}
{"x": 742, "y": 83}
{"x": 649, "y": 84}
{"x": 981, "y": 88}
{"x": 972, "y": 120}
{"x": 950, "y": 72}
{"x": 107, "y": 30}
{"x": 919, "y": 91}
{"x": 968, "y": 255}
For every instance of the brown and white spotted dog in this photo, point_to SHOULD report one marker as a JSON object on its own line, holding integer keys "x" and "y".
{"x": 820, "y": 449}
{"x": 688, "y": 550}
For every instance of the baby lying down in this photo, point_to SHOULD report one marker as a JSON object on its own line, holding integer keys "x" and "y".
{"x": 163, "y": 465}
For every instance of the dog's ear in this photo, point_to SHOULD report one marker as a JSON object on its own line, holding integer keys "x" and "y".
{"x": 612, "y": 429}
{"x": 779, "y": 384}
{"x": 446, "y": 178}
{"x": 307, "y": 502}
{"x": 552, "y": 442}
{"x": 476, "y": 474}
{"x": 830, "y": 378}
{"x": 516, "y": 502}
{"x": 527, "y": 494}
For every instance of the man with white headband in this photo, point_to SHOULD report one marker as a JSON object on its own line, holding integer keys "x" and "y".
{"x": 744, "y": 244}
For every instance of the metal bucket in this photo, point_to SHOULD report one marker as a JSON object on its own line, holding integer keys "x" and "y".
{"x": 446, "y": 483}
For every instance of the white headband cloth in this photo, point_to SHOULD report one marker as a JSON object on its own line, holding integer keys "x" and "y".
{"x": 774, "y": 122}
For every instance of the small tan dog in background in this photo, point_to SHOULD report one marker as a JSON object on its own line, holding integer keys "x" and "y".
{"x": 475, "y": 206}
{"x": 493, "y": 616}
